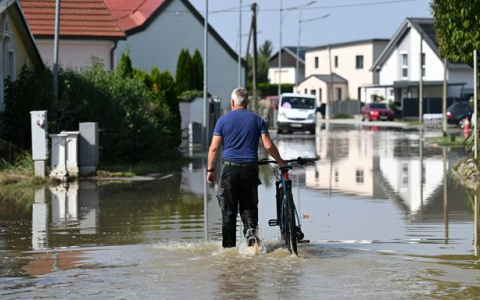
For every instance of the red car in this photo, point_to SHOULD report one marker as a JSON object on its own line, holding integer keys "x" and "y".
{"x": 376, "y": 111}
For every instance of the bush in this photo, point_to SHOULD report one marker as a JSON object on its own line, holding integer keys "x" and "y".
{"x": 136, "y": 123}
{"x": 268, "y": 89}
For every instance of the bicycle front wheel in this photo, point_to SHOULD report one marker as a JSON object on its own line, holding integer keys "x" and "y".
{"x": 290, "y": 226}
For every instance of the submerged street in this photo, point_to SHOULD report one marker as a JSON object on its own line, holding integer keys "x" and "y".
{"x": 384, "y": 217}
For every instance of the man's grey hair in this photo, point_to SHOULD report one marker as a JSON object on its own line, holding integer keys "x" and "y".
{"x": 240, "y": 96}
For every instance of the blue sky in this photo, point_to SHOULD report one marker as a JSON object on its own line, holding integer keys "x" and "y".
{"x": 349, "y": 20}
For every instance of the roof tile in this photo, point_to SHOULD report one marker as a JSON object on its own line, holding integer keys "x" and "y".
{"x": 132, "y": 13}
{"x": 78, "y": 18}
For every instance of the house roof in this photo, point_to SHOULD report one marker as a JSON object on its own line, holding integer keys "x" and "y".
{"x": 15, "y": 11}
{"x": 335, "y": 78}
{"x": 426, "y": 28}
{"x": 78, "y": 19}
{"x": 132, "y": 13}
{"x": 135, "y": 15}
{"x": 292, "y": 50}
{"x": 349, "y": 43}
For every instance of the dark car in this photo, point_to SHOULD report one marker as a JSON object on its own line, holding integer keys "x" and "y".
{"x": 376, "y": 111}
{"x": 458, "y": 112}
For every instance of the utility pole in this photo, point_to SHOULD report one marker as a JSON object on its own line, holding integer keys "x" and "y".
{"x": 420, "y": 87}
{"x": 475, "y": 103}
{"x": 55, "y": 63}
{"x": 444, "y": 97}
{"x": 332, "y": 102}
{"x": 240, "y": 45}
{"x": 280, "y": 53}
{"x": 255, "y": 63}
{"x": 206, "y": 103}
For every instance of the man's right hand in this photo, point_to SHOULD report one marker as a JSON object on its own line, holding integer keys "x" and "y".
{"x": 211, "y": 177}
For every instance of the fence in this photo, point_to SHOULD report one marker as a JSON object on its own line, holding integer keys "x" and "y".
{"x": 430, "y": 106}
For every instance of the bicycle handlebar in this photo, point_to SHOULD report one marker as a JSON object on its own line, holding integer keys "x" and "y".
{"x": 299, "y": 160}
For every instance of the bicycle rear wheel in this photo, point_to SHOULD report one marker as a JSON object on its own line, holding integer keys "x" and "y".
{"x": 290, "y": 226}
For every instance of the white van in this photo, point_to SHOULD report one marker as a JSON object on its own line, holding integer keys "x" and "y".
{"x": 297, "y": 112}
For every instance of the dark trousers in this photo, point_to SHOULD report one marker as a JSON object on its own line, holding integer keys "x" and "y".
{"x": 238, "y": 191}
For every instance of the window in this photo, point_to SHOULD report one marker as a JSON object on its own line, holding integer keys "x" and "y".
{"x": 306, "y": 91}
{"x": 423, "y": 64}
{"x": 359, "y": 176}
{"x": 359, "y": 61}
{"x": 404, "y": 65}
{"x": 336, "y": 175}
{"x": 336, "y": 61}
{"x": 320, "y": 94}
{"x": 8, "y": 55}
{"x": 313, "y": 92}
{"x": 339, "y": 93}
{"x": 404, "y": 175}
{"x": 316, "y": 62}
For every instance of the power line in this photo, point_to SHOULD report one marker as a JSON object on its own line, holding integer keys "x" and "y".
{"x": 236, "y": 9}
{"x": 344, "y": 5}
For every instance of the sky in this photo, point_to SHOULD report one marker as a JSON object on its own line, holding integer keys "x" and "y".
{"x": 348, "y": 20}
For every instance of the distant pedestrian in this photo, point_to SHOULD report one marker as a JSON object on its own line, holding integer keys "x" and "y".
{"x": 239, "y": 132}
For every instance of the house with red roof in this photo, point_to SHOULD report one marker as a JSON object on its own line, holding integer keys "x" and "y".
{"x": 157, "y": 30}
{"x": 17, "y": 45}
{"x": 87, "y": 29}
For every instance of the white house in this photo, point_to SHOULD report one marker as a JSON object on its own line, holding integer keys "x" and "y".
{"x": 17, "y": 45}
{"x": 290, "y": 59}
{"x": 350, "y": 61}
{"x": 157, "y": 31}
{"x": 398, "y": 66}
{"x": 86, "y": 30}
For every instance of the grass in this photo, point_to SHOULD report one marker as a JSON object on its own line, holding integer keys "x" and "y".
{"x": 141, "y": 169}
{"x": 412, "y": 123}
{"x": 342, "y": 116}
{"x": 449, "y": 140}
{"x": 20, "y": 173}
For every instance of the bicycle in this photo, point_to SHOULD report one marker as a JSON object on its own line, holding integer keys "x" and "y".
{"x": 287, "y": 216}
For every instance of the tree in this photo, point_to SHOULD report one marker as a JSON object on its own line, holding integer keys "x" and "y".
{"x": 266, "y": 49}
{"x": 124, "y": 67}
{"x": 456, "y": 26}
{"x": 263, "y": 61}
{"x": 197, "y": 71}
{"x": 183, "y": 76}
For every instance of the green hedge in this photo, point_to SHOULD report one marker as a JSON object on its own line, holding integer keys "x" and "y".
{"x": 136, "y": 124}
{"x": 267, "y": 89}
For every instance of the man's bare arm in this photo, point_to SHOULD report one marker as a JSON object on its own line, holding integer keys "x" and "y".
{"x": 212, "y": 156}
{"x": 272, "y": 149}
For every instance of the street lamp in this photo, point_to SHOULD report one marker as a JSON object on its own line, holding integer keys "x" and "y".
{"x": 280, "y": 41}
{"x": 300, "y": 22}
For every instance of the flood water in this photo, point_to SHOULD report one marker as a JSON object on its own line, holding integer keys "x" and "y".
{"x": 385, "y": 218}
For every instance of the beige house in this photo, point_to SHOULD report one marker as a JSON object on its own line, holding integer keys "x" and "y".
{"x": 349, "y": 66}
{"x": 17, "y": 46}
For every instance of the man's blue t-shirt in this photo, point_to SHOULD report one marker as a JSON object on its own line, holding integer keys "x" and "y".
{"x": 240, "y": 131}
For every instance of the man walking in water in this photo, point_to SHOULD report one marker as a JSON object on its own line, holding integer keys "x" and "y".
{"x": 239, "y": 132}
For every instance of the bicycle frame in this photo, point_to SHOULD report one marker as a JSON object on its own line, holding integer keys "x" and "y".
{"x": 287, "y": 217}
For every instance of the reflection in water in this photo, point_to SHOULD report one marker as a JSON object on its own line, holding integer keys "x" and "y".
{"x": 374, "y": 166}
{"x": 39, "y": 221}
{"x": 106, "y": 239}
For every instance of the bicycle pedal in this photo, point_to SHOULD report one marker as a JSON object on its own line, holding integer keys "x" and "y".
{"x": 304, "y": 241}
{"x": 273, "y": 222}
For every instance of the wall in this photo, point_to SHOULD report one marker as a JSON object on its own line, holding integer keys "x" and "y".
{"x": 346, "y": 64}
{"x": 76, "y": 54}
{"x": 20, "y": 54}
{"x": 288, "y": 75}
